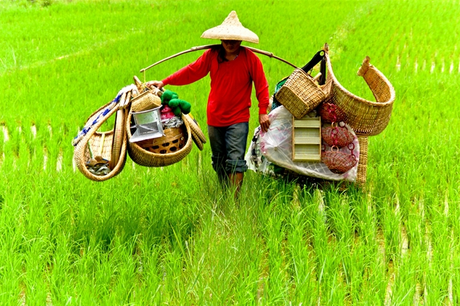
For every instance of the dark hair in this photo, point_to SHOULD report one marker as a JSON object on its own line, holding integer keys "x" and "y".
{"x": 221, "y": 53}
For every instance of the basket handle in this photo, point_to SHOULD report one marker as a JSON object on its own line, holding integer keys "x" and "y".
{"x": 315, "y": 60}
{"x": 320, "y": 56}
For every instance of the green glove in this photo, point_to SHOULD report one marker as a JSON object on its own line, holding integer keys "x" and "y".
{"x": 173, "y": 103}
{"x": 185, "y": 106}
{"x": 178, "y": 106}
{"x": 168, "y": 95}
{"x": 177, "y": 111}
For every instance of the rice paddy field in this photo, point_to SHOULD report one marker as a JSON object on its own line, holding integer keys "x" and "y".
{"x": 171, "y": 236}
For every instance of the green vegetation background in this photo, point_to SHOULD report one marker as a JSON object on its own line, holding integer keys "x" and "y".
{"x": 169, "y": 235}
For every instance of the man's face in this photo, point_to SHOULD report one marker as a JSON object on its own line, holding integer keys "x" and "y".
{"x": 231, "y": 46}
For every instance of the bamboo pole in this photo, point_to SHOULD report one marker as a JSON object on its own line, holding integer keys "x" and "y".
{"x": 269, "y": 54}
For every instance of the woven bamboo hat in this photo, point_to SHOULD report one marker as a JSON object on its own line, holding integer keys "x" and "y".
{"x": 231, "y": 29}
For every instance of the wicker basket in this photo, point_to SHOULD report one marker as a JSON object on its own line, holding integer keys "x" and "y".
{"x": 301, "y": 94}
{"x": 110, "y": 145}
{"x": 365, "y": 117}
{"x": 145, "y": 157}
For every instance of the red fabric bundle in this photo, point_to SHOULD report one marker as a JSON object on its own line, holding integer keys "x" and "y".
{"x": 337, "y": 136}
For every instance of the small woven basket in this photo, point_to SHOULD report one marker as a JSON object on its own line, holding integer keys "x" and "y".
{"x": 149, "y": 158}
{"x": 366, "y": 117}
{"x": 147, "y": 100}
{"x": 301, "y": 94}
{"x": 110, "y": 145}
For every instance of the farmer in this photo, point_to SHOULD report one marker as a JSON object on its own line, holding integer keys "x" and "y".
{"x": 233, "y": 69}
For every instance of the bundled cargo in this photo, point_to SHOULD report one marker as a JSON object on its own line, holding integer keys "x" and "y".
{"x": 152, "y": 126}
{"x": 345, "y": 122}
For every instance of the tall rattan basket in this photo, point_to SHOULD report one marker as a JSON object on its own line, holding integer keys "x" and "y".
{"x": 362, "y": 163}
{"x": 110, "y": 145}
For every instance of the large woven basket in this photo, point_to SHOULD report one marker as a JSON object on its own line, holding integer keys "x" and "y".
{"x": 365, "y": 117}
{"x": 110, "y": 145}
{"x": 144, "y": 157}
{"x": 300, "y": 94}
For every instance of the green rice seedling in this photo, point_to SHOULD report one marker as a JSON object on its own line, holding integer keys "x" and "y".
{"x": 12, "y": 212}
{"x": 10, "y": 146}
{"x": 440, "y": 265}
{"x": 3, "y": 139}
{"x": 302, "y": 268}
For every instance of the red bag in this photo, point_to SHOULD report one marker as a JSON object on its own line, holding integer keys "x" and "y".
{"x": 337, "y": 136}
{"x": 337, "y": 161}
{"x": 330, "y": 112}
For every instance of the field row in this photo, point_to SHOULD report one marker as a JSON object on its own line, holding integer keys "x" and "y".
{"x": 441, "y": 66}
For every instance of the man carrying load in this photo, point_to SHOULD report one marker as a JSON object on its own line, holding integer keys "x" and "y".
{"x": 233, "y": 69}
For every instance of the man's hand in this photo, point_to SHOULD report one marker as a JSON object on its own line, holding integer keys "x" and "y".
{"x": 264, "y": 122}
{"x": 157, "y": 84}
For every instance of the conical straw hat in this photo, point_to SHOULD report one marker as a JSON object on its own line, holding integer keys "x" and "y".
{"x": 231, "y": 29}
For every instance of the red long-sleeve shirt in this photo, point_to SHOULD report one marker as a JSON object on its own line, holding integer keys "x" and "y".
{"x": 231, "y": 85}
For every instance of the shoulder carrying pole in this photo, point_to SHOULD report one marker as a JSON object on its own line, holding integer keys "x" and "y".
{"x": 269, "y": 54}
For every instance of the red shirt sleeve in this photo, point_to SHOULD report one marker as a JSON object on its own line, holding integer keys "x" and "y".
{"x": 260, "y": 83}
{"x": 190, "y": 73}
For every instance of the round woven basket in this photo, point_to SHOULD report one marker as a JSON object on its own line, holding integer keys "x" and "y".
{"x": 173, "y": 141}
{"x": 150, "y": 157}
{"x": 110, "y": 145}
{"x": 366, "y": 117}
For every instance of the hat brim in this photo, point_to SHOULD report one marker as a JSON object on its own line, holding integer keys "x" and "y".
{"x": 229, "y": 32}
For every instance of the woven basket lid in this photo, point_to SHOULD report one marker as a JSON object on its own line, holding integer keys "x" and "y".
{"x": 231, "y": 29}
